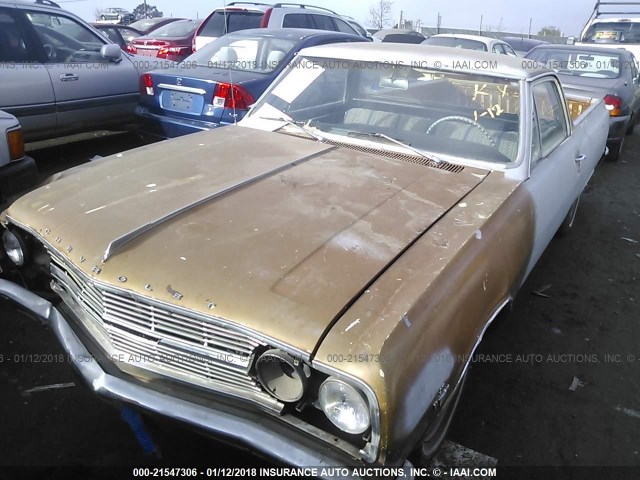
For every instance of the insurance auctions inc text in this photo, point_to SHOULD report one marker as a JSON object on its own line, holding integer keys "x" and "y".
{"x": 363, "y": 472}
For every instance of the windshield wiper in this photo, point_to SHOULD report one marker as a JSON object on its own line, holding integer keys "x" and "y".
{"x": 397, "y": 142}
{"x": 300, "y": 126}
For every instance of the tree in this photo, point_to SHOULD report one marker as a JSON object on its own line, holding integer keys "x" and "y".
{"x": 380, "y": 14}
{"x": 550, "y": 31}
{"x": 151, "y": 11}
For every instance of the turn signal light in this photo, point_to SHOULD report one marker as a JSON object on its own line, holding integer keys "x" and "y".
{"x": 614, "y": 105}
{"x": 232, "y": 96}
{"x": 15, "y": 140}
{"x": 146, "y": 84}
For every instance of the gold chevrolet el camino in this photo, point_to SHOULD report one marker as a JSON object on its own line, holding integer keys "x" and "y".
{"x": 311, "y": 282}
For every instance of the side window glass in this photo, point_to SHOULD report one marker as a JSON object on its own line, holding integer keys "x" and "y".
{"x": 551, "y": 116}
{"x": 12, "y": 45}
{"x": 508, "y": 50}
{"x": 297, "y": 20}
{"x": 323, "y": 22}
{"x": 66, "y": 40}
{"x": 343, "y": 26}
{"x": 497, "y": 48}
{"x": 111, "y": 34}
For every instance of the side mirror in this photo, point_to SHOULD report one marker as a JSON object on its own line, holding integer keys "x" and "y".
{"x": 571, "y": 40}
{"x": 111, "y": 52}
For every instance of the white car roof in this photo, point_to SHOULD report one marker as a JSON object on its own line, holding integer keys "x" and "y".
{"x": 477, "y": 38}
{"x": 617, "y": 20}
{"x": 427, "y": 56}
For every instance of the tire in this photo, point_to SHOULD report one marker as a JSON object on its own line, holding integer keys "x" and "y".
{"x": 632, "y": 125}
{"x": 102, "y": 17}
{"x": 432, "y": 440}
{"x": 567, "y": 223}
{"x": 615, "y": 150}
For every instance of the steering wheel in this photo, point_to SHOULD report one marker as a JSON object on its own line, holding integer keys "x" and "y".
{"x": 473, "y": 123}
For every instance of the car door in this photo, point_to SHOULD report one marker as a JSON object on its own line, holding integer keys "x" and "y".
{"x": 558, "y": 173}
{"x": 26, "y": 90}
{"x": 91, "y": 92}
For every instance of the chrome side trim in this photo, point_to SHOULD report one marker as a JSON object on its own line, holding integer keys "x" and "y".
{"x": 180, "y": 88}
{"x": 121, "y": 241}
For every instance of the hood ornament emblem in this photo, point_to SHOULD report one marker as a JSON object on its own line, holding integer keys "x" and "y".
{"x": 122, "y": 278}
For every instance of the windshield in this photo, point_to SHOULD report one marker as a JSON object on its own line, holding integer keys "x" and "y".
{"x": 181, "y": 28}
{"x": 463, "y": 115}
{"x": 259, "y": 54}
{"x": 592, "y": 64}
{"x": 613, "y": 32}
{"x": 226, "y": 22}
{"x": 456, "y": 42}
{"x": 146, "y": 23}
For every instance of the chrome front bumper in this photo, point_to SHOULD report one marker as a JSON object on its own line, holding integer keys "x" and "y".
{"x": 285, "y": 445}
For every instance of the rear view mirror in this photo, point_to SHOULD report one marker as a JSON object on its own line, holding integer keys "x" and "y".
{"x": 111, "y": 52}
{"x": 397, "y": 83}
{"x": 571, "y": 40}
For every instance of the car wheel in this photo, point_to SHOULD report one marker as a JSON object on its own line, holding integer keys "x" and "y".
{"x": 567, "y": 223}
{"x": 436, "y": 434}
{"x": 102, "y": 17}
{"x": 615, "y": 150}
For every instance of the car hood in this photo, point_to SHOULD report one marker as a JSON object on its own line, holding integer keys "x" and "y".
{"x": 274, "y": 233}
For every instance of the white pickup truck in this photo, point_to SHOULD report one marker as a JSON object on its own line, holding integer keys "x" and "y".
{"x": 17, "y": 171}
{"x": 608, "y": 28}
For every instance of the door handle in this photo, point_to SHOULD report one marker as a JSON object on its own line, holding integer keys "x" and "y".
{"x": 69, "y": 77}
{"x": 579, "y": 159}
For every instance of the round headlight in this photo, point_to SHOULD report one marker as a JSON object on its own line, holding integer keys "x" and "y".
{"x": 281, "y": 375}
{"x": 14, "y": 247}
{"x": 345, "y": 406}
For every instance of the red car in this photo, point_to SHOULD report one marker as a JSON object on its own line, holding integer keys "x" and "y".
{"x": 170, "y": 42}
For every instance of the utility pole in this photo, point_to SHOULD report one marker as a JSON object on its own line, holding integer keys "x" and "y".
{"x": 438, "y": 23}
{"x": 480, "y": 31}
{"x": 530, "y": 20}
{"x": 145, "y": 8}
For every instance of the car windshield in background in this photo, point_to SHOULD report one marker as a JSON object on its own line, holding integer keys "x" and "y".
{"x": 181, "y": 28}
{"x": 235, "y": 21}
{"x": 583, "y": 64}
{"x": 613, "y": 32}
{"x": 456, "y": 42}
{"x": 241, "y": 52}
{"x": 469, "y": 116}
{"x": 146, "y": 23}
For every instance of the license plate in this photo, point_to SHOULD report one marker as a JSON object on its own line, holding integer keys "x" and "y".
{"x": 148, "y": 52}
{"x": 181, "y": 101}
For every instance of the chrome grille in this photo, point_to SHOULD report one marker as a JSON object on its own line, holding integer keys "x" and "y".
{"x": 159, "y": 339}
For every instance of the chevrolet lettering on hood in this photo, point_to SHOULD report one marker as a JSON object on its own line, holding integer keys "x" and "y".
{"x": 311, "y": 282}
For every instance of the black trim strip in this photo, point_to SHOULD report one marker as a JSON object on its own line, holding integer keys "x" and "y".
{"x": 31, "y": 110}
{"x": 71, "y": 105}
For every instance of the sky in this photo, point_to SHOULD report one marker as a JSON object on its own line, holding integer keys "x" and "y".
{"x": 568, "y": 15}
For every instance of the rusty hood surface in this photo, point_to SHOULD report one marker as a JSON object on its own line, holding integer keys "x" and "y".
{"x": 275, "y": 233}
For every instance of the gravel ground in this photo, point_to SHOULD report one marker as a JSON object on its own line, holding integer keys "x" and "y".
{"x": 554, "y": 383}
